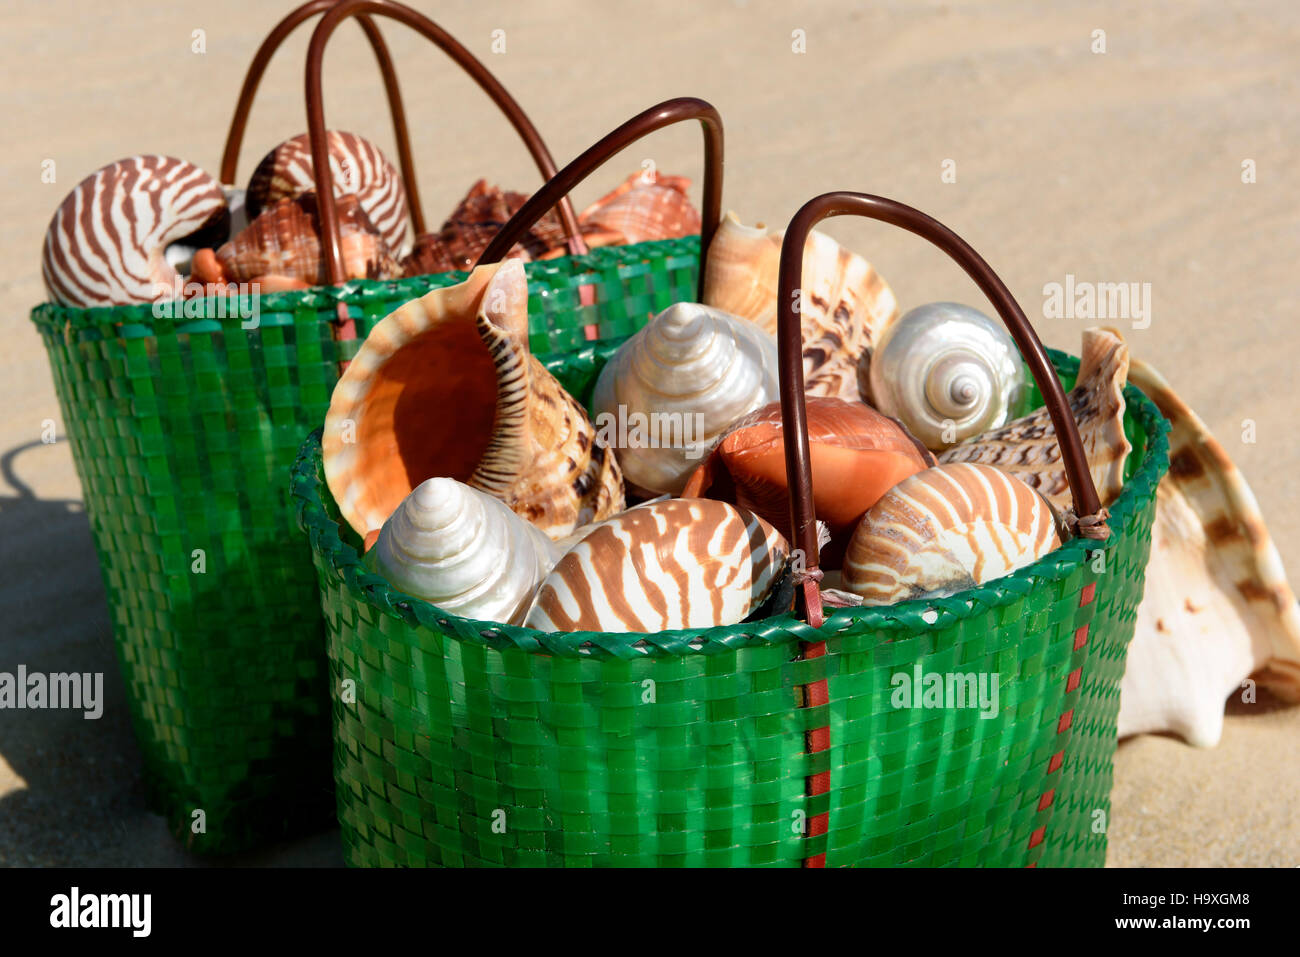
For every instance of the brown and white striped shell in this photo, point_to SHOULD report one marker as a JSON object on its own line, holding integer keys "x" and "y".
{"x": 645, "y": 206}
{"x": 946, "y": 529}
{"x": 106, "y": 243}
{"x": 1027, "y": 447}
{"x": 679, "y": 563}
{"x": 845, "y": 305}
{"x": 446, "y": 387}
{"x": 281, "y": 248}
{"x": 1217, "y": 607}
{"x": 359, "y": 168}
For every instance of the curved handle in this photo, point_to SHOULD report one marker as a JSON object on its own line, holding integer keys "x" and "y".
{"x": 790, "y": 347}
{"x": 253, "y": 79}
{"x": 466, "y": 60}
{"x": 665, "y": 114}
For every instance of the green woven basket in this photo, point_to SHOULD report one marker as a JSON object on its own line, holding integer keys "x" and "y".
{"x": 460, "y": 742}
{"x": 183, "y": 433}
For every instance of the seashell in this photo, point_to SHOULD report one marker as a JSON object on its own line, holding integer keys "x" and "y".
{"x": 947, "y": 371}
{"x": 106, "y": 244}
{"x": 944, "y": 530}
{"x": 1027, "y": 447}
{"x": 645, "y": 206}
{"x": 681, "y": 563}
{"x": 281, "y": 248}
{"x": 684, "y": 379}
{"x": 446, "y": 387}
{"x": 856, "y": 454}
{"x": 1217, "y": 607}
{"x": 359, "y": 168}
{"x": 845, "y": 305}
{"x": 463, "y": 550}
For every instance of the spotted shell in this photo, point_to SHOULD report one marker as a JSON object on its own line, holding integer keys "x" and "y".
{"x": 844, "y": 304}
{"x": 645, "y": 206}
{"x": 463, "y": 550}
{"x": 856, "y": 455}
{"x": 359, "y": 168}
{"x": 1027, "y": 447}
{"x": 106, "y": 243}
{"x": 687, "y": 375}
{"x": 944, "y": 530}
{"x": 1217, "y": 607}
{"x": 680, "y": 563}
{"x": 446, "y": 387}
{"x": 281, "y": 248}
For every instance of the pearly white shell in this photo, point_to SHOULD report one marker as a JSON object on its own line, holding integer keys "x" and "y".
{"x": 947, "y": 371}
{"x": 683, "y": 379}
{"x": 464, "y": 551}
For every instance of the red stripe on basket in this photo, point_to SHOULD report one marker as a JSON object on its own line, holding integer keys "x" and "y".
{"x": 1081, "y": 637}
{"x": 1046, "y": 800}
{"x": 1075, "y": 677}
{"x": 817, "y": 739}
{"x": 1037, "y": 837}
{"x": 1085, "y": 597}
{"x": 1067, "y": 719}
{"x": 1055, "y": 763}
{"x": 587, "y": 297}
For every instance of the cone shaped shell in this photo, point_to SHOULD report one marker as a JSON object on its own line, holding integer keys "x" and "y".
{"x": 681, "y": 563}
{"x": 445, "y": 387}
{"x": 944, "y": 530}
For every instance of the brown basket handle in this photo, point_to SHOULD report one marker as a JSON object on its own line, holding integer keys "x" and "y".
{"x": 466, "y": 60}
{"x": 253, "y": 79}
{"x": 665, "y": 114}
{"x": 789, "y": 341}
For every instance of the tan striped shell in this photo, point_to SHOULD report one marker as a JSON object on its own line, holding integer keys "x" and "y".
{"x": 446, "y": 387}
{"x": 106, "y": 243}
{"x": 1217, "y": 606}
{"x": 645, "y": 206}
{"x": 679, "y": 563}
{"x": 946, "y": 529}
{"x": 358, "y": 166}
{"x": 845, "y": 304}
{"x": 1027, "y": 447}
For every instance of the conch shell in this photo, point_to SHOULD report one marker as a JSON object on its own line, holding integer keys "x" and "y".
{"x": 359, "y": 168}
{"x": 944, "y": 530}
{"x": 946, "y": 371}
{"x": 1217, "y": 607}
{"x": 680, "y": 563}
{"x": 856, "y": 454}
{"x": 1027, "y": 447}
{"x": 463, "y": 550}
{"x": 281, "y": 248}
{"x": 684, "y": 379}
{"x": 446, "y": 387}
{"x": 645, "y": 206}
{"x": 106, "y": 243}
{"x": 845, "y": 305}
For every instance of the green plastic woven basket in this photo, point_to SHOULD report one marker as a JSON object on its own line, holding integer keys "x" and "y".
{"x": 460, "y": 742}
{"x": 184, "y": 432}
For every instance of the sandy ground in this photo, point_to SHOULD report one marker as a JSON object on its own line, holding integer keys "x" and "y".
{"x": 1116, "y": 166}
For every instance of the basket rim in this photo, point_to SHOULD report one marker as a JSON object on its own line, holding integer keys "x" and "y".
{"x": 905, "y": 617}
{"x": 356, "y": 292}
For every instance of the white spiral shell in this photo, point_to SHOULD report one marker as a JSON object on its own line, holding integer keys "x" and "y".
{"x": 683, "y": 380}
{"x": 107, "y": 242}
{"x": 464, "y": 551}
{"x": 680, "y": 563}
{"x": 946, "y": 529}
{"x": 358, "y": 166}
{"x": 947, "y": 371}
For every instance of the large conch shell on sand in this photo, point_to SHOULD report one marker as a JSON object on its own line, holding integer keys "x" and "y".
{"x": 1217, "y": 607}
{"x": 446, "y": 387}
{"x": 844, "y": 303}
{"x": 1027, "y": 447}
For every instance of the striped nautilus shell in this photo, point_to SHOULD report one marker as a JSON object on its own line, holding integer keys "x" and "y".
{"x": 106, "y": 244}
{"x": 684, "y": 379}
{"x": 945, "y": 370}
{"x": 944, "y": 530}
{"x": 844, "y": 304}
{"x": 1217, "y": 608}
{"x": 446, "y": 387}
{"x": 464, "y": 551}
{"x": 358, "y": 167}
{"x": 1027, "y": 447}
{"x": 679, "y": 563}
